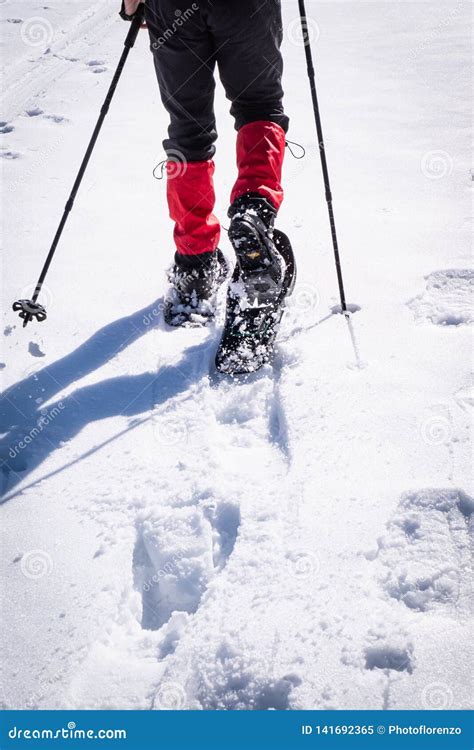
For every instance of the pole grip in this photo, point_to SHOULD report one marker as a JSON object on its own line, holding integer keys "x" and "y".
{"x": 135, "y": 26}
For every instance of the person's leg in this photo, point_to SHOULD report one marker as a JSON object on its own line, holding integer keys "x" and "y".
{"x": 248, "y": 43}
{"x": 248, "y": 37}
{"x": 184, "y": 61}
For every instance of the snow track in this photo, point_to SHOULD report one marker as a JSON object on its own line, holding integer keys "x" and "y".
{"x": 65, "y": 42}
{"x": 448, "y": 299}
{"x": 196, "y": 542}
{"x": 427, "y": 552}
{"x": 300, "y": 538}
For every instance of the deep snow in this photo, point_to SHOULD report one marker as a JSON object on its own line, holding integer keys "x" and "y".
{"x": 299, "y": 540}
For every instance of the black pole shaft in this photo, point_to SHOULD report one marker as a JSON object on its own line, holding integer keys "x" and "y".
{"x": 322, "y": 151}
{"x": 129, "y": 43}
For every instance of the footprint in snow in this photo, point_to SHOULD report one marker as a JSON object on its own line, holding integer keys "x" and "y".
{"x": 5, "y": 128}
{"x": 447, "y": 299}
{"x": 177, "y": 553}
{"x": 34, "y": 112}
{"x": 230, "y": 681}
{"x": 425, "y": 554}
{"x": 97, "y": 66}
{"x": 56, "y": 118}
{"x": 386, "y": 656}
{"x": 4, "y": 154}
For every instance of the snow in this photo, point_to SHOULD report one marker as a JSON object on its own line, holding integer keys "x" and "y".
{"x": 296, "y": 540}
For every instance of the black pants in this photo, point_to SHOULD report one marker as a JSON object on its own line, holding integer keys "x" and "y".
{"x": 243, "y": 38}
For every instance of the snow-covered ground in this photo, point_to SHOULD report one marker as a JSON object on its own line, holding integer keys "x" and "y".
{"x": 299, "y": 540}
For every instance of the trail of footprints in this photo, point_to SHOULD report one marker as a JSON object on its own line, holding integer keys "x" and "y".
{"x": 425, "y": 557}
{"x": 425, "y": 562}
{"x": 422, "y": 561}
{"x": 179, "y": 551}
{"x": 7, "y": 127}
{"x": 94, "y": 66}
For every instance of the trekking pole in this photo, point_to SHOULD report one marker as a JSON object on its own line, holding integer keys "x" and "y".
{"x": 29, "y": 309}
{"x": 322, "y": 151}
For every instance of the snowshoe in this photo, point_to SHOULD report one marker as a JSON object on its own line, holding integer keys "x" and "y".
{"x": 195, "y": 282}
{"x": 264, "y": 276}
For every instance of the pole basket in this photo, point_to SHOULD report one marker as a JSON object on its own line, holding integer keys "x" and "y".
{"x": 27, "y": 309}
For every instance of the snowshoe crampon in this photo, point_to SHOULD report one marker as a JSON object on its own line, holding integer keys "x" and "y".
{"x": 251, "y": 329}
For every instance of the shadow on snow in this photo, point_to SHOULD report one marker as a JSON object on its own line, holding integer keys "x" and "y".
{"x": 126, "y": 395}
